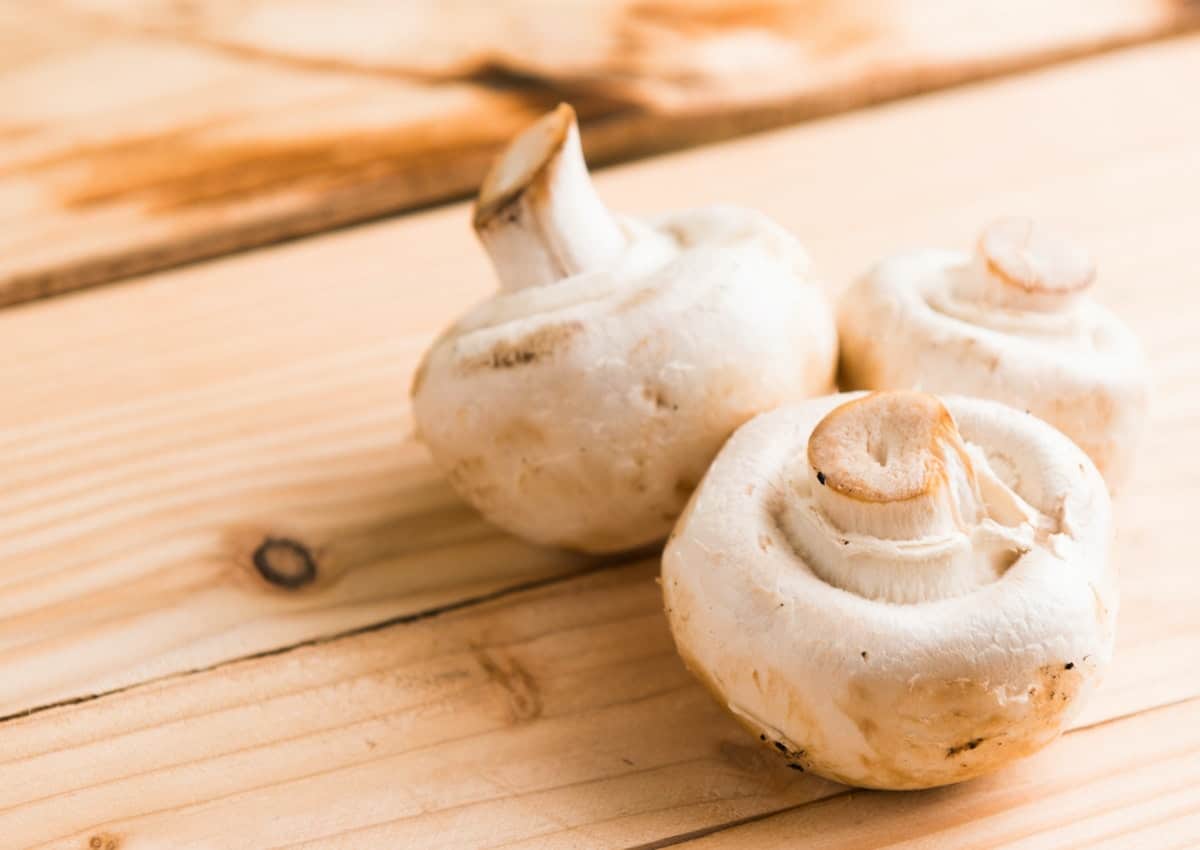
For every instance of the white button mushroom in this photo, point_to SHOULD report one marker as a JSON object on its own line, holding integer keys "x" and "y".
{"x": 1012, "y": 323}
{"x": 896, "y": 591}
{"x": 580, "y": 406}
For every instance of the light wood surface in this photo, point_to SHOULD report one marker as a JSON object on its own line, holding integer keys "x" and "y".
{"x": 1132, "y": 783}
{"x": 155, "y": 433}
{"x": 138, "y": 134}
{"x": 554, "y": 718}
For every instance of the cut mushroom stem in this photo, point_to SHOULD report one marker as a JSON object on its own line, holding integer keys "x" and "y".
{"x": 892, "y": 466}
{"x": 1020, "y": 266}
{"x": 538, "y": 215}
{"x": 892, "y": 477}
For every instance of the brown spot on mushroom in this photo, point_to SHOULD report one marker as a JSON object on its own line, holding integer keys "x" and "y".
{"x": 519, "y": 431}
{"x": 967, "y": 745}
{"x": 934, "y": 731}
{"x": 103, "y": 841}
{"x": 285, "y": 562}
{"x": 465, "y": 467}
{"x": 639, "y": 481}
{"x": 764, "y": 542}
{"x": 867, "y": 726}
{"x": 656, "y": 396}
{"x": 534, "y": 347}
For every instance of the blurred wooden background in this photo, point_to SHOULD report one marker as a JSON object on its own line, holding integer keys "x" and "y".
{"x": 138, "y": 134}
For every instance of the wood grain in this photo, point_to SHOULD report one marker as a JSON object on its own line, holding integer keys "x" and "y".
{"x": 200, "y": 412}
{"x": 195, "y": 414}
{"x": 1129, "y": 783}
{"x": 154, "y": 434}
{"x": 140, "y": 134}
{"x": 559, "y": 717}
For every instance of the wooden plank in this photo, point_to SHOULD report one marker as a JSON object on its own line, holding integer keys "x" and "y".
{"x": 1130, "y": 783}
{"x": 223, "y": 125}
{"x": 560, "y": 717}
{"x": 197, "y": 413}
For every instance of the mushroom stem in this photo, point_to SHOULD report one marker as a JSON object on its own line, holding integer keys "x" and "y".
{"x": 538, "y": 215}
{"x": 898, "y": 512}
{"x": 1019, "y": 266}
{"x": 893, "y": 466}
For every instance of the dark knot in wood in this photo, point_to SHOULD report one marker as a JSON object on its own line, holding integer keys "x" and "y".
{"x": 285, "y": 562}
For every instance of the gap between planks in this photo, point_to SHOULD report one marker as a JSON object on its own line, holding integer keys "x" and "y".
{"x": 398, "y": 620}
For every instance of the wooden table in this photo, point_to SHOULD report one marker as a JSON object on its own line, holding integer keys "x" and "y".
{"x": 239, "y": 609}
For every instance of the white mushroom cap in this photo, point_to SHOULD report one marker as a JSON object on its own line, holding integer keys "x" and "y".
{"x": 1012, "y": 323}
{"x": 581, "y": 405}
{"x": 896, "y": 591}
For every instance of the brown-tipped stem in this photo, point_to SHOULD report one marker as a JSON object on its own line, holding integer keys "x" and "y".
{"x": 538, "y": 215}
{"x": 899, "y": 511}
{"x": 1021, "y": 266}
{"x": 893, "y": 466}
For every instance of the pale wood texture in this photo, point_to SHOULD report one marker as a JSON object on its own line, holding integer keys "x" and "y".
{"x": 1132, "y": 783}
{"x": 154, "y": 433}
{"x": 556, "y": 718}
{"x": 137, "y": 134}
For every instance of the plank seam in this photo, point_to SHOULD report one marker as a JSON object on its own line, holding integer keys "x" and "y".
{"x": 402, "y": 619}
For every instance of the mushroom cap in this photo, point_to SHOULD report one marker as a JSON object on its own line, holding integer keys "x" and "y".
{"x": 878, "y": 693}
{"x": 582, "y": 413}
{"x": 1009, "y": 324}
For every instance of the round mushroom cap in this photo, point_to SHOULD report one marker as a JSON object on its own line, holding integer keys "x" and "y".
{"x": 582, "y": 413}
{"x": 896, "y": 590}
{"x": 1013, "y": 323}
